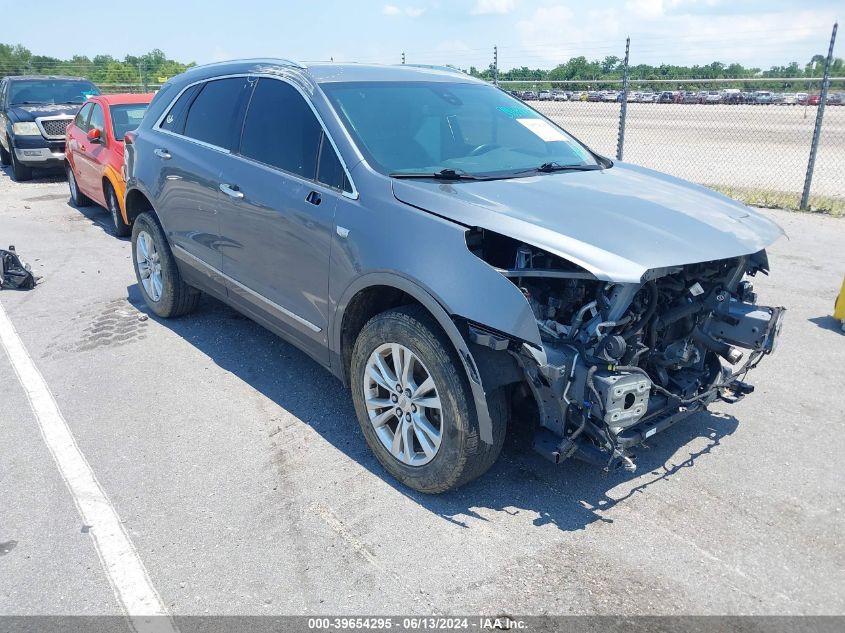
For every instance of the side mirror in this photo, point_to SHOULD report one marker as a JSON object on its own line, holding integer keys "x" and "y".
{"x": 94, "y": 136}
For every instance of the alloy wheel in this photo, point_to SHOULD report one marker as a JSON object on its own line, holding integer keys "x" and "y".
{"x": 403, "y": 404}
{"x": 149, "y": 265}
{"x": 74, "y": 190}
{"x": 113, "y": 208}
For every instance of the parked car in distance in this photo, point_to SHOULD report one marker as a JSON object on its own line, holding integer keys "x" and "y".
{"x": 712, "y": 97}
{"x": 34, "y": 112}
{"x": 94, "y": 142}
{"x": 762, "y": 97}
{"x": 559, "y": 95}
{"x": 534, "y": 272}
{"x": 814, "y": 100}
{"x": 788, "y": 98}
{"x": 544, "y": 95}
{"x": 667, "y": 96}
{"x": 731, "y": 96}
{"x": 801, "y": 97}
{"x": 609, "y": 95}
{"x": 648, "y": 97}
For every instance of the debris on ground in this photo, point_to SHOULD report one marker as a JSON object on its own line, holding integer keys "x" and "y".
{"x": 14, "y": 274}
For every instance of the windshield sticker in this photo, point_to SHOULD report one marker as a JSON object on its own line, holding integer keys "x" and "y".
{"x": 89, "y": 93}
{"x": 543, "y": 129}
{"x": 515, "y": 111}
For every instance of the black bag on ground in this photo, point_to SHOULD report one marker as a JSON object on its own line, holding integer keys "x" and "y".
{"x": 13, "y": 273}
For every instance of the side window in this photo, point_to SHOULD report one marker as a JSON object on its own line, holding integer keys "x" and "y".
{"x": 81, "y": 120}
{"x": 280, "y": 129}
{"x": 175, "y": 119}
{"x": 329, "y": 170}
{"x": 215, "y": 115}
{"x": 3, "y": 85}
{"x": 97, "y": 120}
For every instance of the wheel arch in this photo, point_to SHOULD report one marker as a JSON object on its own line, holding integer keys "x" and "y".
{"x": 111, "y": 177}
{"x": 376, "y": 292}
{"x": 135, "y": 203}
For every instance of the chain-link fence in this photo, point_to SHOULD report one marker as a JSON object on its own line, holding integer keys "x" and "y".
{"x": 753, "y": 144}
{"x": 112, "y": 88}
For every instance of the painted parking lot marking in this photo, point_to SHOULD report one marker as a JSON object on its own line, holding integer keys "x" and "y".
{"x": 120, "y": 560}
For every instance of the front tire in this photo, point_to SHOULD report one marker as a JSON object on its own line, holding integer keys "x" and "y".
{"x": 414, "y": 404}
{"x": 5, "y": 157}
{"x": 158, "y": 277}
{"x": 20, "y": 172}
{"x": 119, "y": 227}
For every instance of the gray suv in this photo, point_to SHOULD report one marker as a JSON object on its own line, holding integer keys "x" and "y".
{"x": 455, "y": 258}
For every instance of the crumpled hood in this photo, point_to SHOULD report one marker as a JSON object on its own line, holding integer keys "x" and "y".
{"x": 617, "y": 223}
{"x": 22, "y": 113}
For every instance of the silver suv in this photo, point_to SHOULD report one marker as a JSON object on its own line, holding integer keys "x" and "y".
{"x": 454, "y": 257}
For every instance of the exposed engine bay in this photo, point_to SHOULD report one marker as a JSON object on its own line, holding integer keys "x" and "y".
{"x": 620, "y": 361}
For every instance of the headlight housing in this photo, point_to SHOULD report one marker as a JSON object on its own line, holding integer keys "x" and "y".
{"x": 27, "y": 128}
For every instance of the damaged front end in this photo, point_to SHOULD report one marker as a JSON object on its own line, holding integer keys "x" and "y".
{"x": 620, "y": 362}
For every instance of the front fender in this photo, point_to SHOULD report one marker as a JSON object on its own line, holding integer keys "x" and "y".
{"x": 425, "y": 297}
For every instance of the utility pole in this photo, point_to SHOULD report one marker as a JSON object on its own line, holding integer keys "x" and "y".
{"x": 623, "y": 112}
{"x": 403, "y": 57}
{"x": 495, "y": 65}
{"x": 817, "y": 130}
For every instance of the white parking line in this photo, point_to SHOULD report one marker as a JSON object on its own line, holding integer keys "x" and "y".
{"x": 120, "y": 560}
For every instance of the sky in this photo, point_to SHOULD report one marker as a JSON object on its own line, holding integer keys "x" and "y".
{"x": 537, "y": 34}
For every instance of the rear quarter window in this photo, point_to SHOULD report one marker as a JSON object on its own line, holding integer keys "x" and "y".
{"x": 81, "y": 119}
{"x": 174, "y": 120}
{"x": 216, "y": 113}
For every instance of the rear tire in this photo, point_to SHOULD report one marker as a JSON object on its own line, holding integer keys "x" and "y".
{"x": 20, "y": 172}
{"x": 77, "y": 198}
{"x": 460, "y": 455}
{"x": 152, "y": 259}
{"x": 119, "y": 227}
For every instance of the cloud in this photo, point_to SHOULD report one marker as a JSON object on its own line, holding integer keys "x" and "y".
{"x": 483, "y": 7}
{"x": 411, "y": 12}
{"x": 669, "y": 31}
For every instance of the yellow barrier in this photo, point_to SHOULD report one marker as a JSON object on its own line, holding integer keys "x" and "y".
{"x": 839, "y": 308}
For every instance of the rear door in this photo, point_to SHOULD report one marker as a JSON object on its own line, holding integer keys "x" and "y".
{"x": 193, "y": 139}
{"x": 76, "y": 135}
{"x": 88, "y": 156}
{"x": 277, "y": 215}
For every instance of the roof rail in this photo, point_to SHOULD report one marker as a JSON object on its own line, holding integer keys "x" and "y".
{"x": 450, "y": 69}
{"x": 273, "y": 60}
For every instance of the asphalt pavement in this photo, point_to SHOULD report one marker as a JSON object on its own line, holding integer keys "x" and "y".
{"x": 239, "y": 473}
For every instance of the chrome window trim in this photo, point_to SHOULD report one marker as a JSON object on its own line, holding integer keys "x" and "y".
{"x": 353, "y": 195}
{"x": 250, "y": 291}
{"x": 195, "y": 141}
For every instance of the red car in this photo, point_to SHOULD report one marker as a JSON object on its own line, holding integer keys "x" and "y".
{"x": 94, "y": 142}
{"x": 813, "y": 99}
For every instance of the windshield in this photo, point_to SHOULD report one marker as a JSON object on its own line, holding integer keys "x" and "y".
{"x": 422, "y": 127}
{"x": 50, "y": 91}
{"x": 126, "y": 117}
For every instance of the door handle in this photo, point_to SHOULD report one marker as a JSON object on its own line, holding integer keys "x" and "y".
{"x": 314, "y": 198}
{"x": 232, "y": 191}
{"x": 162, "y": 153}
